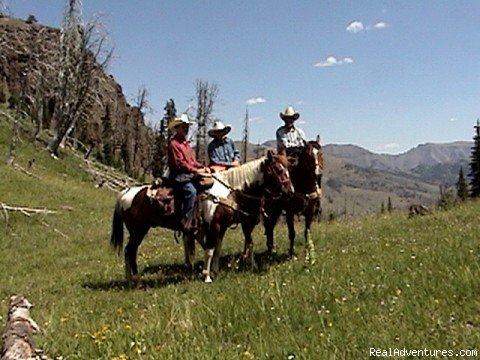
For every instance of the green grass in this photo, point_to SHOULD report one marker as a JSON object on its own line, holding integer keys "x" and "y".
{"x": 380, "y": 282}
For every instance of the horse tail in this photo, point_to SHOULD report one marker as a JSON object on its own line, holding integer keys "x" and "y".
{"x": 117, "y": 227}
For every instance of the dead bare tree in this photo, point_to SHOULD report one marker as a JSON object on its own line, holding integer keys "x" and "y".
{"x": 81, "y": 54}
{"x": 205, "y": 98}
{"x": 245, "y": 137}
{"x": 141, "y": 100}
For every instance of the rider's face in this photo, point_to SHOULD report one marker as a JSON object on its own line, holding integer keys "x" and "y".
{"x": 183, "y": 129}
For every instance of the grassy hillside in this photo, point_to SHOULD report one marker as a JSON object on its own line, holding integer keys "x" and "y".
{"x": 379, "y": 282}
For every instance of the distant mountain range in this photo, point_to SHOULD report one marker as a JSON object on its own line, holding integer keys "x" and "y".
{"x": 425, "y": 155}
{"x": 357, "y": 181}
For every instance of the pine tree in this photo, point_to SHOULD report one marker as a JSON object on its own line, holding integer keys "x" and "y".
{"x": 462, "y": 187}
{"x": 162, "y": 135}
{"x": 389, "y": 205}
{"x": 475, "y": 164}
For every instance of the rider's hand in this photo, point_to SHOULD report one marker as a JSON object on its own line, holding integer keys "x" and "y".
{"x": 203, "y": 170}
{"x": 235, "y": 163}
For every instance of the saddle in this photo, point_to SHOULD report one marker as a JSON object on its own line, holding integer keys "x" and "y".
{"x": 161, "y": 192}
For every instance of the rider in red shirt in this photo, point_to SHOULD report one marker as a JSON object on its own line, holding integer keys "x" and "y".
{"x": 183, "y": 167}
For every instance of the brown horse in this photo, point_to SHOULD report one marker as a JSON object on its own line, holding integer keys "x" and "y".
{"x": 139, "y": 212}
{"x": 240, "y": 196}
{"x": 306, "y": 168}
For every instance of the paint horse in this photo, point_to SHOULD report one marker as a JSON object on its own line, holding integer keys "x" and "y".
{"x": 139, "y": 212}
{"x": 306, "y": 168}
{"x": 238, "y": 196}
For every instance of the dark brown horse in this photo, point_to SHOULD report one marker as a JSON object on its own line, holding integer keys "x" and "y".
{"x": 306, "y": 168}
{"x": 139, "y": 212}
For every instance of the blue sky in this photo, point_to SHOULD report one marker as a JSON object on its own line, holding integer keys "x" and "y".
{"x": 384, "y": 75}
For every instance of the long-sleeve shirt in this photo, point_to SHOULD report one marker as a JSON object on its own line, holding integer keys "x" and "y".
{"x": 289, "y": 138}
{"x": 223, "y": 152}
{"x": 180, "y": 156}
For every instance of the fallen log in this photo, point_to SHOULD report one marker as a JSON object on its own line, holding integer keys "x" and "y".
{"x": 17, "y": 340}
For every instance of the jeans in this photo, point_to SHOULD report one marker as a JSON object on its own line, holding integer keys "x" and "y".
{"x": 187, "y": 193}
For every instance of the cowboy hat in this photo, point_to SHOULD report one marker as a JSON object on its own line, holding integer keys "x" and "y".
{"x": 183, "y": 119}
{"x": 289, "y": 113}
{"x": 219, "y": 126}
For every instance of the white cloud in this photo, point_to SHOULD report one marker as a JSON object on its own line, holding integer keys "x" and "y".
{"x": 380, "y": 25}
{"x": 453, "y": 119}
{"x": 332, "y": 60}
{"x": 355, "y": 27}
{"x": 256, "y": 100}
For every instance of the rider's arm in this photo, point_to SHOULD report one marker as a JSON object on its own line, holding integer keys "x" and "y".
{"x": 281, "y": 141}
{"x": 179, "y": 158}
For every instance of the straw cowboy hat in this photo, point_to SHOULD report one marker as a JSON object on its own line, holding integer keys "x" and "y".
{"x": 183, "y": 119}
{"x": 219, "y": 126}
{"x": 289, "y": 113}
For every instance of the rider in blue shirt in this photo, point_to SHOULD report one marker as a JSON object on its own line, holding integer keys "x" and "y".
{"x": 222, "y": 151}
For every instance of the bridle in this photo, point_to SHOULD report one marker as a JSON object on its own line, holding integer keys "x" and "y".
{"x": 282, "y": 175}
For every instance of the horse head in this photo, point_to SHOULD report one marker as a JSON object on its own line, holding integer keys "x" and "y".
{"x": 276, "y": 174}
{"x": 318, "y": 154}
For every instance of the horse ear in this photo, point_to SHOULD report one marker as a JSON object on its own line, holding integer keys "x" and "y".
{"x": 305, "y": 143}
{"x": 318, "y": 139}
{"x": 269, "y": 155}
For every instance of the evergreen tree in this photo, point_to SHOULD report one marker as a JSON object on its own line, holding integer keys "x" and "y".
{"x": 382, "y": 208}
{"x": 462, "y": 187}
{"x": 475, "y": 163}
{"x": 162, "y": 135}
{"x": 389, "y": 205}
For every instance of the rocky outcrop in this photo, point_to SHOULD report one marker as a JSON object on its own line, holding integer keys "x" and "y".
{"x": 114, "y": 130}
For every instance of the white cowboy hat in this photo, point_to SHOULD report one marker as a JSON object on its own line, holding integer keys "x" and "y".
{"x": 183, "y": 119}
{"x": 289, "y": 113}
{"x": 219, "y": 126}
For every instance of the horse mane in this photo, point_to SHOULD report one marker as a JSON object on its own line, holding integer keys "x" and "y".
{"x": 242, "y": 176}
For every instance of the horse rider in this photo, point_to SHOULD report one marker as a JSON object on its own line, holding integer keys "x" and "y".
{"x": 291, "y": 139}
{"x": 183, "y": 168}
{"x": 289, "y": 136}
{"x": 221, "y": 150}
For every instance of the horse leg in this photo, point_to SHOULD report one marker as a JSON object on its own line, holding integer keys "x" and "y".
{"x": 218, "y": 250}
{"x": 291, "y": 231}
{"x": 208, "y": 263}
{"x": 131, "y": 269}
{"x": 211, "y": 243}
{"x": 189, "y": 249}
{"x": 269, "y": 224}
{"x": 310, "y": 248}
{"x": 248, "y": 253}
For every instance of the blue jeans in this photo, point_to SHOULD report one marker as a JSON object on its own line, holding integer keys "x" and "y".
{"x": 187, "y": 192}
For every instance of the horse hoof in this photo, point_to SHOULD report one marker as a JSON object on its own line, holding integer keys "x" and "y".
{"x": 208, "y": 279}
